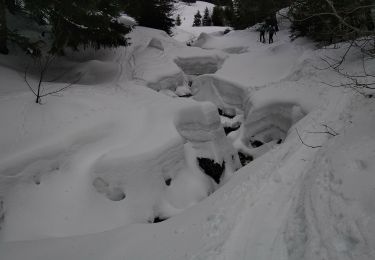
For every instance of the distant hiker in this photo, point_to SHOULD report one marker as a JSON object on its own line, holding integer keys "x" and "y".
{"x": 262, "y": 33}
{"x": 271, "y": 32}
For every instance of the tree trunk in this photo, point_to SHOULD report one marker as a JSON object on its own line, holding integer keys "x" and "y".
{"x": 3, "y": 29}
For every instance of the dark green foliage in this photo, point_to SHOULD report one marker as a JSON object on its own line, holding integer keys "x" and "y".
{"x": 250, "y": 12}
{"x": 153, "y": 13}
{"x": 197, "y": 19}
{"x": 228, "y": 15}
{"x": 315, "y": 18}
{"x": 206, "y": 20}
{"x": 223, "y": 15}
{"x": 178, "y": 20}
{"x": 217, "y": 16}
{"x": 189, "y": 1}
{"x": 63, "y": 23}
{"x": 3, "y": 29}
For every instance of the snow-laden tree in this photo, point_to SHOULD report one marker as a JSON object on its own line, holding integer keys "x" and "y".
{"x": 206, "y": 20}
{"x": 197, "y": 19}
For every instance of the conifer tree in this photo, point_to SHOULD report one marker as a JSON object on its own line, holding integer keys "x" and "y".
{"x": 178, "y": 20}
{"x": 197, "y": 19}
{"x": 217, "y": 16}
{"x": 71, "y": 24}
{"x": 228, "y": 15}
{"x": 250, "y": 12}
{"x": 3, "y": 29}
{"x": 153, "y": 13}
{"x": 332, "y": 21}
{"x": 206, "y": 20}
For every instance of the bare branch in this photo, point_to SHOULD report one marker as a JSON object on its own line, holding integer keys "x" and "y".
{"x": 311, "y": 146}
{"x": 27, "y": 82}
{"x": 63, "y": 88}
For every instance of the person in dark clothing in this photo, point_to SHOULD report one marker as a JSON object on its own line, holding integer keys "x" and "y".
{"x": 271, "y": 32}
{"x": 262, "y": 33}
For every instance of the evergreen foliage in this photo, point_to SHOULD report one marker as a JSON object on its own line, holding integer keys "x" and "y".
{"x": 228, "y": 15}
{"x": 250, "y": 12}
{"x": 189, "y": 1}
{"x": 197, "y": 19}
{"x": 178, "y": 20}
{"x": 217, "y": 16}
{"x": 91, "y": 23}
{"x": 153, "y": 13}
{"x": 3, "y": 29}
{"x": 316, "y": 19}
{"x": 206, "y": 20}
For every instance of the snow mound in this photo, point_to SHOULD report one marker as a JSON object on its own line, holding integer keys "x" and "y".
{"x": 153, "y": 67}
{"x": 217, "y": 40}
{"x": 160, "y": 62}
{"x": 92, "y": 72}
{"x": 202, "y": 39}
{"x": 201, "y": 127}
{"x": 270, "y": 123}
{"x": 200, "y": 123}
{"x": 196, "y": 61}
{"x": 221, "y": 92}
{"x": 334, "y": 212}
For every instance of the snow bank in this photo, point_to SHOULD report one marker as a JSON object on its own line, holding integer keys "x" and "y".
{"x": 201, "y": 127}
{"x": 209, "y": 62}
{"x": 221, "y": 92}
{"x": 333, "y": 213}
{"x": 161, "y": 62}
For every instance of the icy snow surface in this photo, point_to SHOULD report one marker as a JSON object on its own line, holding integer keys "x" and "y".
{"x": 84, "y": 175}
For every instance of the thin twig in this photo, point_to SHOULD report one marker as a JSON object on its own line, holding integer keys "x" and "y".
{"x": 311, "y": 146}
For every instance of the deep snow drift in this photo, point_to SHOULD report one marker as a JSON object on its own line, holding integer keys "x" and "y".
{"x": 85, "y": 175}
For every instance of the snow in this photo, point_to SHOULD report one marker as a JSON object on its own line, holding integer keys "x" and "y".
{"x": 185, "y": 32}
{"x": 84, "y": 175}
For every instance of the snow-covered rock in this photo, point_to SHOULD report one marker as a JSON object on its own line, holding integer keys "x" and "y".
{"x": 223, "y": 93}
{"x": 201, "y": 127}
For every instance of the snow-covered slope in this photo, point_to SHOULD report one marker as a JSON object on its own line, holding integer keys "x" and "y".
{"x": 83, "y": 175}
{"x": 186, "y": 32}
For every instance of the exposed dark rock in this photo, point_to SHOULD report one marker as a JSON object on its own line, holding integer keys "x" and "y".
{"x": 222, "y": 113}
{"x": 168, "y": 181}
{"x": 245, "y": 158}
{"x": 228, "y": 129}
{"x": 158, "y": 219}
{"x": 186, "y": 96}
{"x": 211, "y": 168}
{"x": 256, "y": 143}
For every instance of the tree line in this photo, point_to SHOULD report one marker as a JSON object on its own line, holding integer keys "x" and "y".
{"x": 53, "y": 25}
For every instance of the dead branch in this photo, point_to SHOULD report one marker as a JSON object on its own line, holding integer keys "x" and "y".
{"x": 311, "y": 146}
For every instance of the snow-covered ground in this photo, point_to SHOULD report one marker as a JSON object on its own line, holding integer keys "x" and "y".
{"x": 84, "y": 175}
{"x": 185, "y": 32}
